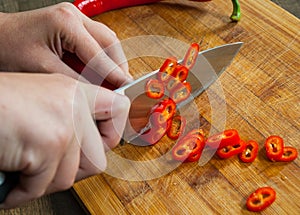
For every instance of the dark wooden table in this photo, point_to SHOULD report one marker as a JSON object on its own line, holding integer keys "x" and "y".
{"x": 65, "y": 202}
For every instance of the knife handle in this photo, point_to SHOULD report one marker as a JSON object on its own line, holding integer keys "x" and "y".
{"x": 8, "y": 180}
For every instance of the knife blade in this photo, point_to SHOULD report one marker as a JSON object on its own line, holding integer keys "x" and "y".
{"x": 209, "y": 66}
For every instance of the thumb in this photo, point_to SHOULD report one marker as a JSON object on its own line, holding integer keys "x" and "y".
{"x": 110, "y": 110}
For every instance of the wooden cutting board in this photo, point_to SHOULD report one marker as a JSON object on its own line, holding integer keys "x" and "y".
{"x": 259, "y": 95}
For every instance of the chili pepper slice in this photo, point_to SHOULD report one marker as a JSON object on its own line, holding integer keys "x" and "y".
{"x": 250, "y": 152}
{"x": 289, "y": 154}
{"x": 172, "y": 83}
{"x": 222, "y": 139}
{"x": 176, "y": 127}
{"x": 162, "y": 111}
{"x": 197, "y": 131}
{"x": 167, "y": 69}
{"x": 188, "y": 149}
{"x": 179, "y": 75}
{"x": 181, "y": 92}
{"x": 261, "y": 199}
{"x": 274, "y": 147}
{"x": 154, "y": 134}
{"x": 154, "y": 89}
{"x": 231, "y": 150}
{"x": 181, "y": 72}
{"x": 191, "y": 56}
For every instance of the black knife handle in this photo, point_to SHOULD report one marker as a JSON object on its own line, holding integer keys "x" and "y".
{"x": 8, "y": 180}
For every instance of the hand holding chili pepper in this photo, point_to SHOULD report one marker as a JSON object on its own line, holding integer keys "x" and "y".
{"x": 64, "y": 29}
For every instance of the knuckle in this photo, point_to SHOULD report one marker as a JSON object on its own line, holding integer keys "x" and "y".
{"x": 63, "y": 11}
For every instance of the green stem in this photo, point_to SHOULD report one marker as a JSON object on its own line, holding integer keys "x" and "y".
{"x": 236, "y": 13}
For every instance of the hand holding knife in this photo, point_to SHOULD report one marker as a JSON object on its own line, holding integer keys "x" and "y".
{"x": 208, "y": 68}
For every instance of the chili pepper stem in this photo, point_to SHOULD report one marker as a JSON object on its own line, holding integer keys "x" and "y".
{"x": 236, "y": 13}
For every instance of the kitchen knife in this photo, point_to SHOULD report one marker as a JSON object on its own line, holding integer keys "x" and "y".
{"x": 209, "y": 66}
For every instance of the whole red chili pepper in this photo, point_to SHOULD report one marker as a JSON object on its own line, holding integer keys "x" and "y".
{"x": 176, "y": 127}
{"x": 95, "y": 7}
{"x": 260, "y": 199}
{"x": 250, "y": 152}
{"x": 154, "y": 89}
{"x": 222, "y": 139}
{"x": 289, "y": 154}
{"x": 274, "y": 147}
{"x": 231, "y": 150}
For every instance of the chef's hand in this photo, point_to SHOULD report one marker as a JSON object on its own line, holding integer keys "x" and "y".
{"x": 35, "y": 41}
{"x": 48, "y": 131}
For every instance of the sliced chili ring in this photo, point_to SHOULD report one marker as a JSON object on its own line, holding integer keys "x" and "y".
{"x": 274, "y": 147}
{"x": 153, "y": 135}
{"x": 222, "y": 139}
{"x": 197, "y": 131}
{"x": 172, "y": 84}
{"x": 181, "y": 72}
{"x": 261, "y": 199}
{"x": 289, "y": 154}
{"x": 181, "y": 92}
{"x": 167, "y": 69}
{"x": 250, "y": 152}
{"x": 191, "y": 56}
{"x": 176, "y": 127}
{"x": 163, "y": 111}
{"x": 231, "y": 150}
{"x": 154, "y": 89}
{"x": 188, "y": 146}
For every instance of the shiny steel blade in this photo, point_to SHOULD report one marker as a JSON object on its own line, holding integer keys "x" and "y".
{"x": 210, "y": 65}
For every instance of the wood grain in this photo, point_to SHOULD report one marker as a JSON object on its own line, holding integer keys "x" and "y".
{"x": 260, "y": 90}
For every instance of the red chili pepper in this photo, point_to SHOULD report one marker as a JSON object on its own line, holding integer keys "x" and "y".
{"x": 274, "y": 147}
{"x": 95, "y": 7}
{"x": 188, "y": 149}
{"x": 231, "y": 150}
{"x": 250, "y": 152}
{"x": 191, "y": 56}
{"x": 260, "y": 199}
{"x": 167, "y": 69}
{"x": 222, "y": 139}
{"x": 197, "y": 131}
{"x": 162, "y": 112}
{"x": 181, "y": 92}
{"x": 176, "y": 127}
{"x": 289, "y": 154}
{"x": 154, "y": 89}
{"x": 180, "y": 73}
{"x": 154, "y": 134}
